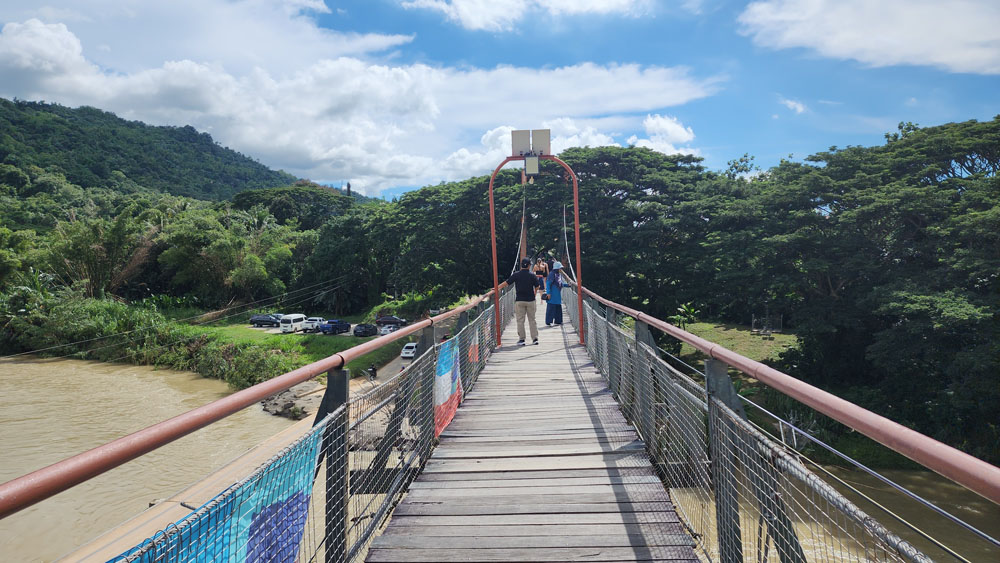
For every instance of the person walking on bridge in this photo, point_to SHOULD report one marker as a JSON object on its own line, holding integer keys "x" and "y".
{"x": 553, "y": 288}
{"x": 541, "y": 270}
{"x": 524, "y": 283}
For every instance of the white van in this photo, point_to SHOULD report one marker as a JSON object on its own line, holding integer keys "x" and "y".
{"x": 293, "y": 322}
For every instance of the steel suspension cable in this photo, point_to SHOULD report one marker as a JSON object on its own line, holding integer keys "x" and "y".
{"x": 565, "y": 238}
{"x": 521, "y": 238}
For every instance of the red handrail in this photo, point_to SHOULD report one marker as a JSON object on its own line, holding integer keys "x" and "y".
{"x": 39, "y": 485}
{"x": 962, "y": 468}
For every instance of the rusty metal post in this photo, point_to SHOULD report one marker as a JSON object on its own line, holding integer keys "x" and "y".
{"x": 647, "y": 380}
{"x": 425, "y": 342}
{"x": 334, "y": 448}
{"x": 723, "y": 456}
{"x": 463, "y": 320}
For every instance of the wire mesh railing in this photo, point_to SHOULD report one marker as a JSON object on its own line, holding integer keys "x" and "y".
{"x": 325, "y": 496}
{"x": 742, "y": 495}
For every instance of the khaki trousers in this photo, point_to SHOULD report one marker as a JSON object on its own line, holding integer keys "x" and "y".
{"x": 522, "y": 309}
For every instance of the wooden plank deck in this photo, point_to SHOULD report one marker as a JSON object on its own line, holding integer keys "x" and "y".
{"x": 538, "y": 465}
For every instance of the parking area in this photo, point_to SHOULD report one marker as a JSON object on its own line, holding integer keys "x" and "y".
{"x": 276, "y": 330}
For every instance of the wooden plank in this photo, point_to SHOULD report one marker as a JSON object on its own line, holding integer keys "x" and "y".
{"x": 482, "y": 541}
{"x": 557, "y": 473}
{"x": 526, "y": 418}
{"x": 487, "y": 490}
{"x": 400, "y": 519}
{"x": 615, "y": 497}
{"x": 547, "y": 429}
{"x": 603, "y": 461}
{"x": 449, "y": 509}
{"x": 622, "y": 430}
{"x": 538, "y": 451}
{"x": 535, "y": 483}
{"x": 515, "y": 530}
{"x": 550, "y": 439}
{"x": 545, "y": 555}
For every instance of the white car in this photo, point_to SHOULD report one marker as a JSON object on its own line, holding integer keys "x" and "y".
{"x": 388, "y": 329}
{"x": 292, "y": 323}
{"x": 312, "y": 324}
{"x": 409, "y": 351}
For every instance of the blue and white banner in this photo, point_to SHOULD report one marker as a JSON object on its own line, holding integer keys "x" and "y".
{"x": 447, "y": 385}
{"x": 260, "y": 519}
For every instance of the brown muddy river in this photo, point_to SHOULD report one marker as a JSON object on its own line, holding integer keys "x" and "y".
{"x": 52, "y": 409}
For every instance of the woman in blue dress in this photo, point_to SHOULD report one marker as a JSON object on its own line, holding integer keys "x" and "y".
{"x": 553, "y": 287}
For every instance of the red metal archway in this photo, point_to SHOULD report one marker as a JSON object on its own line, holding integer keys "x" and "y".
{"x": 576, "y": 229}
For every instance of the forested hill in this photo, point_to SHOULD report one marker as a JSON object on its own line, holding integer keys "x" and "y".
{"x": 88, "y": 145}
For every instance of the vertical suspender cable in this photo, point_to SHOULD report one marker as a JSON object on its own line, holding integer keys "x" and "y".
{"x": 522, "y": 241}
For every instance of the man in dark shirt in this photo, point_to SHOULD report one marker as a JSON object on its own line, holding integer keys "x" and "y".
{"x": 524, "y": 283}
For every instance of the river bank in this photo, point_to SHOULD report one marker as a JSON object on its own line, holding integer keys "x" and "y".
{"x": 227, "y": 350}
{"x": 51, "y": 409}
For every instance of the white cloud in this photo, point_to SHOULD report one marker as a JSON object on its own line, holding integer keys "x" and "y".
{"x": 329, "y": 118}
{"x": 693, "y": 6}
{"x": 278, "y": 35}
{"x": 957, "y": 36}
{"x": 794, "y": 105}
{"x": 502, "y": 15}
{"x": 664, "y": 134}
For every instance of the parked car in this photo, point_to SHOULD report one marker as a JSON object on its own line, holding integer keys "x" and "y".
{"x": 271, "y": 319}
{"x": 365, "y": 330}
{"x": 312, "y": 324}
{"x": 293, "y": 322}
{"x": 409, "y": 351}
{"x": 388, "y": 329}
{"x": 335, "y": 326}
{"x": 390, "y": 320}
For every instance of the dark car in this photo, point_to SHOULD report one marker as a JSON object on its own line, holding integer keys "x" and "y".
{"x": 272, "y": 319}
{"x": 365, "y": 330}
{"x": 334, "y": 326}
{"x": 390, "y": 320}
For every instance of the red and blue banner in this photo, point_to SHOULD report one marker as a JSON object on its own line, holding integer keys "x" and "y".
{"x": 447, "y": 385}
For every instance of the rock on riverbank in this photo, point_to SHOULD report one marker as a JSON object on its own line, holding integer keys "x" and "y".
{"x": 295, "y": 403}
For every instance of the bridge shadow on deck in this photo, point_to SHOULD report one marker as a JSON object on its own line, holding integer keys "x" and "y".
{"x": 538, "y": 465}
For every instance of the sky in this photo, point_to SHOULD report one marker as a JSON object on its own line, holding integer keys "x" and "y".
{"x": 391, "y": 95}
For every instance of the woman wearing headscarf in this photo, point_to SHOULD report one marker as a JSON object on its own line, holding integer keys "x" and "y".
{"x": 553, "y": 287}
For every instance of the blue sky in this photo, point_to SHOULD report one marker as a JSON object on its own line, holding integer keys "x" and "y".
{"x": 394, "y": 94}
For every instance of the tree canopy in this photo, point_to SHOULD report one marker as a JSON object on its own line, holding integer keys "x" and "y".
{"x": 884, "y": 260}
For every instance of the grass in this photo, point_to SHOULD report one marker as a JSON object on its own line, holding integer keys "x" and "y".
{"x": 739, "y": 339}
{"x": 309, "y": 348}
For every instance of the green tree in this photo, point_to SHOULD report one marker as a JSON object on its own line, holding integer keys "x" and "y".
{"x": 103, "y": 254}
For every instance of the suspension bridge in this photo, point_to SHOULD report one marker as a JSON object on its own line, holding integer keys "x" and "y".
{"x": 594, "y": 445}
